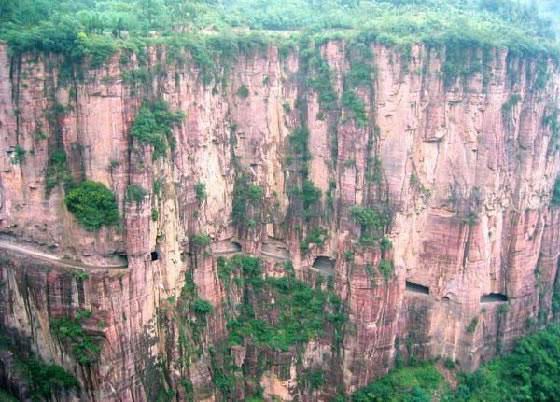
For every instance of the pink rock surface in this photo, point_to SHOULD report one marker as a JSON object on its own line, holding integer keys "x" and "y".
{"x": 445, "y": 153}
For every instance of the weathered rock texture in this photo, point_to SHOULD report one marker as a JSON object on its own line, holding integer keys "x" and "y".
{"x": 467, "y": 179}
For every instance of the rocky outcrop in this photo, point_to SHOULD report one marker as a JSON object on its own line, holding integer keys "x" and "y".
{"x": 464, "y": 170}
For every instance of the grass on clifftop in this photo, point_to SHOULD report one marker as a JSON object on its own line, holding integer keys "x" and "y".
{"x": 93, "y": 29}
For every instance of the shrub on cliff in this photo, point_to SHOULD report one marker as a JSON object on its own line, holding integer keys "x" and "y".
{"x": 136, "y": 194}
{"x": 415, "y": 383}
{"x": 154, "y": 125}
{"x": 247, "y": 200}
{"x": 202, "y": 307}
{"x": 70, "y": 331}
{"x": 93, "y": 205}
{"x": 46, "y": 378}
{"x": 297, "y": 314}
{"x": 372, "y": 222}
{"x": 556, "y": 193}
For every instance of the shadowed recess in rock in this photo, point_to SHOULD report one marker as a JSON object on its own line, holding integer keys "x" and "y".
{"x": 324, "y": 264}
{"x": 494, "y": 298}
{"x": 417, "y": 288}
{"x": 226, "y": 247}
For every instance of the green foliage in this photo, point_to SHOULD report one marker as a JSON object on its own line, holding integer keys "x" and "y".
{"x": 313, "y": 379}
{"x": 361, "y": 72}
{"x": 137, "y": 76}
{"x": 57, "y": 170}
{"x": 154, "y": 214}
{"x": 316, "y": 236}
{"x": 245, "y": 195}
{"x": 529, "y": 373}
{"x": 457, "y": 62}
{"x": 92, "y": 29}
{"x": 508, "y": 106}
{"x": 201, "y": 240}
{"x": 300, "y": 312}
{"x": 550, "y": 120}
{"x": 202, "y": 307}
{"x": 40, "y": 135}
{"x": 409, "y": 384}
{"x": 448, "y": 363}
{"x": 376, "y": 176}
{"x": 136, "y": 193}
{"x": 367, "y": 217}
{"x": 18, "y": 156}
{"x": 154, "y": 125}
{"x": 386, "y": 268}
{"x": 156, "y": 187}
{"x": 320, "y": 79}
{"x": 93, "y": 205}
{"x": 80, "y": 275}
{"x": 84, "y": 347}
{"x": 298, "y": 142}
{"x": 471, "y": 219}
{"x": 472, "y": 325}
{"x": 62, "y": 36}
{"x": 200, "y": 190}
{"x": 46, "y": 379}
{"x": 372, "y": 222}
{"x": 242, "y": 92}
{"x": 355, "y": 106}
{"x": 7, "y": 397}
{"x": 310, "y": 197}
{"x": 385, "y": 244}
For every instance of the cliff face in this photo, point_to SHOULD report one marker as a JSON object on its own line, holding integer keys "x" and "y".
{"x": 464, "y": 169}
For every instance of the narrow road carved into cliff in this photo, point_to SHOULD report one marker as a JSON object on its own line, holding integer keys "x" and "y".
{"x": 52, "y": 258}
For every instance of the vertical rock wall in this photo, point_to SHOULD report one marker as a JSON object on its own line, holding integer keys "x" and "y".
{"x": 466, "y": 171}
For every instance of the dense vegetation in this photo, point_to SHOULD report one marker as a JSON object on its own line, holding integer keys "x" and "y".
{"x": 71, "y": 333}
{"x": 94, "y": 28}
{"x": 298, "y": 313}
{"x": 529, "y": 373}
{"x": 93, "y": 205}
{"x": 154, "y": 125}
{"x": 45, "y": 379}
{"x": 412, "y": 384}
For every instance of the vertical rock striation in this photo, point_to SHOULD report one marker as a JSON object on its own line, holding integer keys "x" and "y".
{"x": 463, "y": 167}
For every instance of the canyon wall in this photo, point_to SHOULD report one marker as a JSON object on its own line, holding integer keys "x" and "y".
{"x": 462, "y": 168}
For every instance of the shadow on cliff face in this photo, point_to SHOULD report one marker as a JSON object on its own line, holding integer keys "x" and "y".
{"x": 494, "y": 298}
{"x": 27, "y": 376}
{"x": 324, "y": 264}
{"x": 417, "y": 288}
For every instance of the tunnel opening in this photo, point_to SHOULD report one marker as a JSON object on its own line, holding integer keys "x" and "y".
{"x": 154, "y": 256}
{"x": 417, "y": 288}
{"x": 494, "y": 298}
{"x": 324, "y": 264}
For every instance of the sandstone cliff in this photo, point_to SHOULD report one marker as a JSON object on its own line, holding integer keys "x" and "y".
{"x": 460, "y": 165}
